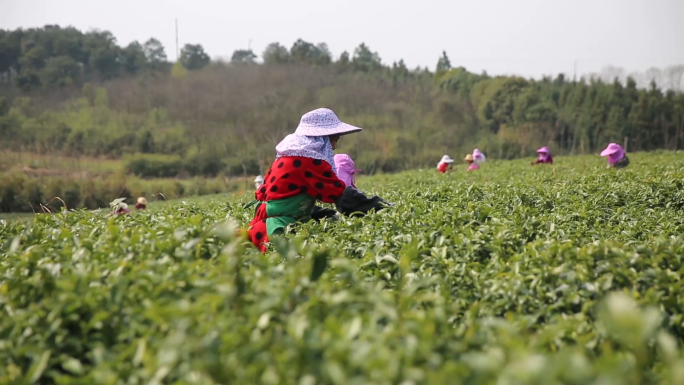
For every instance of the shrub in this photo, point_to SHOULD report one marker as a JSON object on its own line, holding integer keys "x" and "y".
{"x": 154, "y": 166}
{"x": 204, "y": 165}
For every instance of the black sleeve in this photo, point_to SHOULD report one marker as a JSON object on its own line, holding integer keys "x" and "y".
{"x": 354, "y": 202}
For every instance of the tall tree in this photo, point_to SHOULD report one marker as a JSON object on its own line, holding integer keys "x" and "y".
{"x": 105, "y": 62}
{"x": 104, "y": 53}
{"x": 27, "y": 80}
{"x": 305, "y": 52}
{"x": 155, "y": 54}
{"x": 243, "y": 56}
{"x": 365, "y": 60}
{"x": 443, "y": 64}
{"x": 10, "y": 50}
{"x": 33, "y": 57}
{"x": 275, "y": 54}
{"x": 69, "y": 42}
{"x": 343, "y": 63}
{"x": 400, "y": 72}
{"x": 324, "y": 54}
{"x": 193, "y": 57}
{"x": 60, "y": 71}
{"x": 133, "y": 58}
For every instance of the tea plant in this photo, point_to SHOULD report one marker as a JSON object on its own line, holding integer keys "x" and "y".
{"x": 514, "y": 274}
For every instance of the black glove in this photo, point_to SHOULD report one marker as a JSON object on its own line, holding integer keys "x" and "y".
{"x": 320, "y": 213}
{"x": 354, "y": 202}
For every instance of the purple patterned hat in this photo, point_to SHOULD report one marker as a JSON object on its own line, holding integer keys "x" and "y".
{"x": 323, "y": 122}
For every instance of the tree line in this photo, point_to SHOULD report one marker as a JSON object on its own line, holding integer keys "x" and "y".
{"x": 80, "y": 94}
{"x": 53, "y": 56}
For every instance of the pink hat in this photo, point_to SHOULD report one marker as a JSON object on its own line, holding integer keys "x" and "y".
{"x": 544, "y": 150}
{"x": 614, "y": 152}
{"x": 345, "y": 169}
{"x": 478, "y": 156}
{"x": 323, "y": 122}
{"x": 613, "y": 148}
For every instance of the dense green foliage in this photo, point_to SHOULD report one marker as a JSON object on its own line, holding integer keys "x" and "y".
{"x": 236, "y": 112}
{"x": 54, "y": 56}
{"x": 150, "y": 165}
{"x": 507, "y": 275}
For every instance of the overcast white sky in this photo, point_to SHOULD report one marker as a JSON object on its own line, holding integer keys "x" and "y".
{"x": 525, "y": 37}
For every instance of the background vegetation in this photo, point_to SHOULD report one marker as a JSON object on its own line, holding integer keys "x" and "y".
{"x": 79, "y": 95}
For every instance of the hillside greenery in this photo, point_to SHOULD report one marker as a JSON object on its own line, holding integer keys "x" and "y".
{"x": 78, "y": 94}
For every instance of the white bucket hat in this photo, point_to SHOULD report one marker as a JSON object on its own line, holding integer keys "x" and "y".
{"x": 446, "y": 159}
{"x": 323, "y": 122}
{"x": 259, "y": 179}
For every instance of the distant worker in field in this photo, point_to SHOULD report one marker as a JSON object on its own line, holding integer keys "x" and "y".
{"x": 141, "y": 203}
{"x": 258, "y": 181}
{"x": 472, "y": 165}
{"x": 122, "y": 209}
{"x": 444, "y": 164}
{"x": 617, "y": 158}
{"x": 119, "y": 206}
{"x": 303, "y": 173}
{"x": 544, "y": 156}
{"x": 478, "y": 156}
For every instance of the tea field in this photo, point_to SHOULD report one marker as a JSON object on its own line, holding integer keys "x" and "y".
{"x": 570, "y": 274}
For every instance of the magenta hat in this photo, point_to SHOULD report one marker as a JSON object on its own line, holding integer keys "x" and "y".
{"x": 613, "y": 148}
{"x": 323, "y": 122}
{"x": 478, "y": 156}
{"x": 614, "y": 152}
{"x": 345, "y": 169}
{"x": 544, "y": 150}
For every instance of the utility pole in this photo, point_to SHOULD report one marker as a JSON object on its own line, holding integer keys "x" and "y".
{"x": 249, "y": 44}
{"x": 177, "y": 52}
{"x": 574, "y": 75}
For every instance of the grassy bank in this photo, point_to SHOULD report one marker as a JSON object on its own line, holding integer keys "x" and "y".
{"x": 21, "y": 193}
{"x": 28, "y": 180}
{"x": 39, "y": 165}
